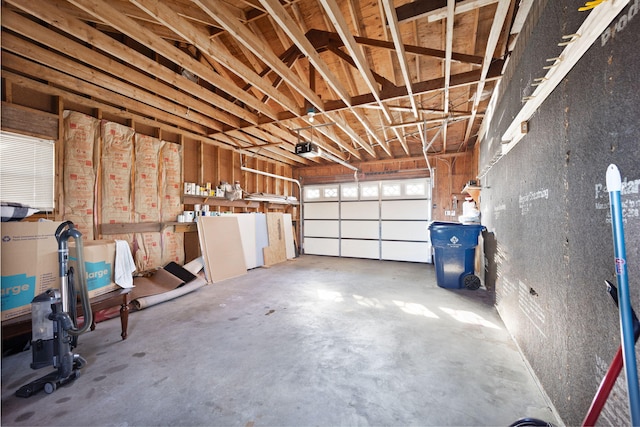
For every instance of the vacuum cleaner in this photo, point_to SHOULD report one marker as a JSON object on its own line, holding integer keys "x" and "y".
{"x": 54, "y": 323}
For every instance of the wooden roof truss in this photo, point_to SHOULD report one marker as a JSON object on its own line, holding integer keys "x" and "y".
{"x": 381, "y": 77}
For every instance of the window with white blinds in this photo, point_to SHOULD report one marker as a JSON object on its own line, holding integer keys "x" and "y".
{"x": 27, "y": 170}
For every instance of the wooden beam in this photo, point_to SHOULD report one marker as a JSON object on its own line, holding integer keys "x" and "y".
{"x": 337, "y": 19}
{"x": 392, "y": 21}
{"x": 435, "y": 10}
{"x": 362, "y": 118}
{"x": 462, "y": 79}
{"x": 290, "y": 59}
{"x": 220, "y": 12}
{"x": 421, "y": 110}
{"x": 348, "y": 134}
{"x": 201, "y": 40}
{"x": 110, "y": 87}
{"x": 322, "y": 39}
{"x": 349, "y": 60}
{"x": 27, "y": 120}
{"x": 494, "y": 35}
{"x": 433, "y": 120}
{"x": 100, "y": 107}
{"x": 249, "y": 142}
{"x": 125, "y": 228}
{"x": 73, "y": 84}
{"x": 281, "y": 149}
{"x": 447, "y": 67}
{"x": 282, "y": 133}
{"x": 282, "y": 17}
{"x": 83, "y": 54}
{"x": 291, "y": 28}
{"x": 418, "y": 9}
{"x": 285, "y": 42}
{"x": 344, "y": 126}
{"x": 330, "y": 134}
{"x": 125, "y": 25}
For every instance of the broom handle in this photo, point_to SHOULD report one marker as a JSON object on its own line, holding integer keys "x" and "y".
{"x": 614, "y": 187}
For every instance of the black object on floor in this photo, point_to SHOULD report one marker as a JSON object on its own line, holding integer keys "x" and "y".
{"x": 181, "y": 273}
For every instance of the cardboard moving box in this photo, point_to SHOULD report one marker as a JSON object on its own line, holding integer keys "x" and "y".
{"x": 29, "y": 264}
{"x": 99, "y": 263}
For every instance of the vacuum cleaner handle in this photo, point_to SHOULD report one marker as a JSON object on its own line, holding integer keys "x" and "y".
{"x": 65, "y": 231}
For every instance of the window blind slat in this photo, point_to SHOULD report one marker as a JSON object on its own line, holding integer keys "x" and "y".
{"x": 27, "y": 170}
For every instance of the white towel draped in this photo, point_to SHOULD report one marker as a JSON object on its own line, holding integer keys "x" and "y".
{"x": 125, "y": 265}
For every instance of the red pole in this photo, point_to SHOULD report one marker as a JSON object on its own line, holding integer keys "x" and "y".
{"x": 603, "y": 391}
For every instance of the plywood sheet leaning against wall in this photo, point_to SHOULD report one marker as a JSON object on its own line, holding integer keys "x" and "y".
{"x": 116, "y": 182}
{"x": 79, "y": 170}
{"x": 221, "y": 247}
{"x": 276, "y": 252}
{"x": 170, "y": 186}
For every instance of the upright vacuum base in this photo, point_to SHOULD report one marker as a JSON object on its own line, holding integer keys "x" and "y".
{"x": 50, "y": 382}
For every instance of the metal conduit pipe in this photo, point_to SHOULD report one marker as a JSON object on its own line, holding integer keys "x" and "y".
{"x": 286, "y": 178}
{"x": 425, "y": 148}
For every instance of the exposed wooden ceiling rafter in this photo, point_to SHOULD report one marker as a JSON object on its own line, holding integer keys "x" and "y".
{"x": 307, "y": 49}
{"x": 392, "y": 21}
{"x": 198, "y": 38}
{"x": 451, "y": 7}
{"x": 337, "y": 19}
{"x": 435, "y": 10}
{"x": 47, "y": 11}
{"x": 322, "y": 39}
{"x": 221, "y": 14}
{"x": 244, "y": 73}
{"x": 496, "y": 28}
{"x": 107, "y": 13}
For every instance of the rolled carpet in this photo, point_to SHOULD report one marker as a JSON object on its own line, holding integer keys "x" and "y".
{"x": 150, "y": 300}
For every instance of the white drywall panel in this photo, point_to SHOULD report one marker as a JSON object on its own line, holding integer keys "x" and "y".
{"x": 262, "y": 237}
{"x": 247, "y": 224}
{"x": 288, "y": 236}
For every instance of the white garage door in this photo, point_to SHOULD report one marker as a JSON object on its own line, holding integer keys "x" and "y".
{"x": 384, "y": 220}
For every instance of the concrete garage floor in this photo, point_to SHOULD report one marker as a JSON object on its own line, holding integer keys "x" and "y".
{"x": 315, "y": 341}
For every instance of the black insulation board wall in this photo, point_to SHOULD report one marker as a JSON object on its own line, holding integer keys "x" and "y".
{"x": 546, "y": 209}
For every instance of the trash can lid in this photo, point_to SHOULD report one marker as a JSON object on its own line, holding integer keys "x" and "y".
{"x": 443, "y": 224}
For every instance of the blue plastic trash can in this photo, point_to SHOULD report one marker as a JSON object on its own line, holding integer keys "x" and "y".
{"x": 454, "y": 254}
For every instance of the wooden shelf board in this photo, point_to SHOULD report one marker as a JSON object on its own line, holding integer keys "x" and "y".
{"x": 189, "y": 199}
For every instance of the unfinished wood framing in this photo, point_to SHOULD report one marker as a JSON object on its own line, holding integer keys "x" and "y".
{"x": 233, "y": 85}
